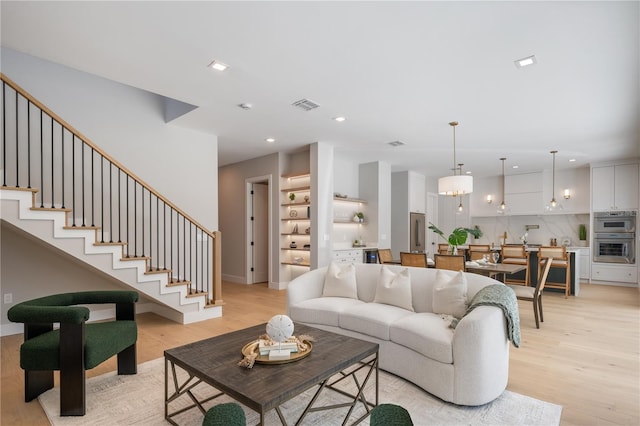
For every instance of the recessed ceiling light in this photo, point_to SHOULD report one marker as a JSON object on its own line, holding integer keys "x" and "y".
{"x": 525, "y": 62}
{"x": 572, "y": 160}
{"x": 468, "y": 172}
{"x": 218, "y": 66}
{"x": 514, "y": 167}
{"x": 270, "y": 140}
{"x": 339, "y": 119}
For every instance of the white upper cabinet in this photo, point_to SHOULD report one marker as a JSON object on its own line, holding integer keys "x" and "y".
{"x": 417, "y": 193}
{"x": 614, "y": 187}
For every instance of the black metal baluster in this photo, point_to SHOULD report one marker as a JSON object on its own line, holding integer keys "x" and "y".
{"x": 190, "y": 256}
{"x": 157, "y": 234}
{"x": 150, "y": 232}
{"x": 102, "y": 198}
{"x": 164, "y": 238}
{"x": 110, "y": 202}
{"x": 83, "y": 172}
{"x": 28, "y": 144}
{"x": 119, "y": 207}
{"x": 135, "y": 218}
{"x": 53, "y": 197}
{"x": 127, "y": 214}
{"x": 142, "y": 216}
{"x": 171, "y": 241}
{"x": 73, "y": 179}
{"x": 184, "y": 248}
{"x": 93, "y": 187}
{"x": 62, "y": 166}
{"x": 209, "y": 241}
{"x": 4, "y": 136}
{"x": 178, "y": 244}
{"x": 41, "y": 162}
{"x": 17, "y": 143}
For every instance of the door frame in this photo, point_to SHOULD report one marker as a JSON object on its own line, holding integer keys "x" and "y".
{"x": 249, "y": 279}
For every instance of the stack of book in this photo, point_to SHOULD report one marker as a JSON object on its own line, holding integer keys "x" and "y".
{"x": 289, "y": 345}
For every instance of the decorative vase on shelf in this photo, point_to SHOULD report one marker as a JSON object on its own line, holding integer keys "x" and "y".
{"x": 356, "y": 218}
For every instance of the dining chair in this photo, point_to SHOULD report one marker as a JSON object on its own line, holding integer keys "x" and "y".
{"x": 413, "y": 259}
{"x": 516, "y": 255}
{"x": 385, "y": 256}
{"x": 559, "y": 259}
{"x": 452, "y": 262}
{"x": 534, "y": 294}
{"x": 443, "y": 248}
{"x": 476, "y": 251}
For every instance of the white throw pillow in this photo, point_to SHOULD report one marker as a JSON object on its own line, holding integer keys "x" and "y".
{"x": 340, "y": 281}
{"x": 450, "y": 294}
{"x": 394, "y": 289}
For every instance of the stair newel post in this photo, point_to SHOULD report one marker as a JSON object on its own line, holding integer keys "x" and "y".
{"x": 217, "y": 270}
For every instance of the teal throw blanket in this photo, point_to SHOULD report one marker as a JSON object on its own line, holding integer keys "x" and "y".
{"x": 504, "y": 298}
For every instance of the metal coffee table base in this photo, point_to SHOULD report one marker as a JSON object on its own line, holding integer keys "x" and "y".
{"x": 369, "y": 366}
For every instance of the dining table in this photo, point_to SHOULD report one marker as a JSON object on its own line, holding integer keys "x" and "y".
{"x": 489, "y": 268}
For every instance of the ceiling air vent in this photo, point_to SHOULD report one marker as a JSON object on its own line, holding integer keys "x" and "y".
{"x": 305, "y": 104}
{"x": 396, "y": 143}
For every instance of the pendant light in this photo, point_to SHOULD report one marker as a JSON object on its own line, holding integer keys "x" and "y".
{"x": 460, "y": 196}
{"x": 553, "y": 204}
{"x": 503, "y": 206}
{"x": 455, "y": 185}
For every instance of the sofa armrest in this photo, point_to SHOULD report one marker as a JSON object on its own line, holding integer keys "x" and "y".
{"x": 480, "y": 356}
{"x": 306, "y": 286}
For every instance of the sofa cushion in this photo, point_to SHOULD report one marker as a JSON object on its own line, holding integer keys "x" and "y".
{"x": 372, "y": 319}
{"x": 322, "y": 310}
{"x": 394, "y": 288}
{"x": 426, "y": 333}
{"x": 450, "y": 294}
{"x": 340, "y": 281}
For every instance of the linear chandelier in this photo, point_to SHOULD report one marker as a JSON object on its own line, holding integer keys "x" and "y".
{"x": 457, "y": 184}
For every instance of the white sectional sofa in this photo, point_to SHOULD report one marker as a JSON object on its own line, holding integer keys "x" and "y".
{"x": 467, "y": 365}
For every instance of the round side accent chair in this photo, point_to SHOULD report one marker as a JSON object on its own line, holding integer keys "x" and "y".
{"x": 390, "y": 415}
{"x": 227, "y": 414}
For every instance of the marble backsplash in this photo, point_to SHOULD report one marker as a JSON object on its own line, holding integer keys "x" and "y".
{"x": 551, "y": 226}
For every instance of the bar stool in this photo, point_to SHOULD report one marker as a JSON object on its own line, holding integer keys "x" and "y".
{"x": 516, "y": 255}
{"x": 559, "y": 259}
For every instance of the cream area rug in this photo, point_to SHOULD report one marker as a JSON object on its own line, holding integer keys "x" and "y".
{"x": 139, "y": 400}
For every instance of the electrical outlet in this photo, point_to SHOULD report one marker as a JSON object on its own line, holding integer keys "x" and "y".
{"x": 8, "y": 298}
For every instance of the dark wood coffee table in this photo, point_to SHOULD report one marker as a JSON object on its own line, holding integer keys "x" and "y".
{"x": 266, "y": 386}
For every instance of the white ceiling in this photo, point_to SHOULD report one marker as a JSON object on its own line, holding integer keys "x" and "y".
{"x": 396, "y": 70}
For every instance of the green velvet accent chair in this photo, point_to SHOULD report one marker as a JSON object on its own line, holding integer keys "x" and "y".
{"x": 390, "y": 415}
{"x": 75, "y": 346}
{"x": 227, "y": 414}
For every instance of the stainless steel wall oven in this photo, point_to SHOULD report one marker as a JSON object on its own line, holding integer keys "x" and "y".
{"x": 614, "y": 237}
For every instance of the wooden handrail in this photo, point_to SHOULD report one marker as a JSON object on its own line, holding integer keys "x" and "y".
{"x": 88, "y": 141}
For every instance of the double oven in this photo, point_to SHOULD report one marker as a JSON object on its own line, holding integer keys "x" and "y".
{"x": 614, "y": 237}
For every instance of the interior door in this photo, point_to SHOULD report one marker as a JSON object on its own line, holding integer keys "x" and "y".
{"x": 260, "y": 233}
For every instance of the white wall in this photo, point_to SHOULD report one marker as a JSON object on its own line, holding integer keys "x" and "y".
{"x": 128, "y": 124}
{"x": 232, "y": 180}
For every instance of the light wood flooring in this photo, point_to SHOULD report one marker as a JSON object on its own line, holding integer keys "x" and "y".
{"x": 585, "y": 356}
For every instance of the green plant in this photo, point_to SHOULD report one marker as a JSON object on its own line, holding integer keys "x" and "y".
{"x": 582, "y": 232}
{"x": 458, "y": 236}
{"x": 292, "y": 196}
{"x": 360, "y": 215}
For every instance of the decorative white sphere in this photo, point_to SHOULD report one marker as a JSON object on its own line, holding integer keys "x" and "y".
{"x": 280, "y": 328}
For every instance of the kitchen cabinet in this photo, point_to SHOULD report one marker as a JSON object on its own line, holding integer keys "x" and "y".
{"x": 585, "y": 263}
{"x": 614, "y": 273}
{"x": 614, "y": 187}
{"x": 355, "y": 255}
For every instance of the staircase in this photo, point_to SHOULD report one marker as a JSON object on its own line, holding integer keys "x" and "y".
{"x": 95, "y": 210}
